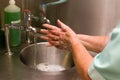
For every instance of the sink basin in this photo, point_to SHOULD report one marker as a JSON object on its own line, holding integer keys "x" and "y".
{"x": 40, "y": 57}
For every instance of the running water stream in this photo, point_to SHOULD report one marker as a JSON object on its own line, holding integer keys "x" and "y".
{"x": 35, "y": 52}
{"x": 45, "y": 66}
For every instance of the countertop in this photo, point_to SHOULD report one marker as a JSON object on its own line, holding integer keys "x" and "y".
{"x": 11, "y": 68}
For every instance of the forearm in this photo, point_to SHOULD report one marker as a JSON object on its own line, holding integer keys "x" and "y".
{"x": 82, "y": 59}
{"x": 93, "y": 43}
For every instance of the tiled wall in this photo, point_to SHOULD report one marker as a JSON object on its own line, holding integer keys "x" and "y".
{"x": 95, "y": 17}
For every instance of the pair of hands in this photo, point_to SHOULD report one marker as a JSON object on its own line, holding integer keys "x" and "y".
{"x": 61, "y": 37}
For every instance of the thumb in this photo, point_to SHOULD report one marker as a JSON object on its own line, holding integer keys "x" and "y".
{"x": 49, "y": 45}
{"x": 62, "y": 25}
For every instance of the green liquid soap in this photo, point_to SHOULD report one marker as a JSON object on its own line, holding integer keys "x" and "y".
{"x": 14, "y": 35}
{"x": 12, "y": 14}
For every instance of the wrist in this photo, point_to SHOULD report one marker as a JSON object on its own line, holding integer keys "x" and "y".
{"x": 74, "y": 41}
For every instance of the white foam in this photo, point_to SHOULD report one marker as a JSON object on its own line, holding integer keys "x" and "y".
{"x": 49, "y": 67}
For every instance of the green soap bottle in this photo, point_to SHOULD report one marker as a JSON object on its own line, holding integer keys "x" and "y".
{"x": 12, "y": 13}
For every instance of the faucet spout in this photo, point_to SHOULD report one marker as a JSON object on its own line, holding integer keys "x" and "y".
{"x": 56, "y": 2}
{"x": 43, "y": 8}
{"x": 32, "y": 29}
{"x": 27, "y": 25}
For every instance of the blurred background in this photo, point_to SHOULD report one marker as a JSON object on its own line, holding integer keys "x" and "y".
{"x": 93, "y": 17}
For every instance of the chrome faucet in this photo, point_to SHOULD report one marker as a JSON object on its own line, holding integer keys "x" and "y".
{"x": 25, "y": 27}
{"x": 27, "y": 24}
{"x": 43, "y": 8}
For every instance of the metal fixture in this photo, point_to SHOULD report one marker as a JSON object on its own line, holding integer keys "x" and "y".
{"x": 27, "y": 22}
{"x": 43, "y": 8}
{"x": 39, "y": 53}
{"x": 25, "y": 27}
{"x": 7, "y": 40}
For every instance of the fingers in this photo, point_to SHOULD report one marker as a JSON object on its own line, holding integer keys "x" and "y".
{"x": 44, "y": 38}
{"x": 48, "y": 44}
{"x": 44, "y": 31}
{"x": 55, "y": 31}
{"x": 49, "y": 35}
{"x": 50, "y": 27}
{"x": 62, "y": 25}
{"x": 56, "y": 44}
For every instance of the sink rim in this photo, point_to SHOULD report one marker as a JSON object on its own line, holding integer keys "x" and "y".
{"x": 21, "y": 59}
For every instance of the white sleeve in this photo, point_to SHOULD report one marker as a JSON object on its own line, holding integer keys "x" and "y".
{"x": 93, "y": 74}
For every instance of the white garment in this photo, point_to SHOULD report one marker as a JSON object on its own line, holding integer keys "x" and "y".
{"x": 106, "y": 64}
{"x": 94, "y": 75}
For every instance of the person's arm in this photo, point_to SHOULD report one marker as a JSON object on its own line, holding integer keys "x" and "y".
{"x": 82, "y": 59}
{"x": 93, "y": 43}
{"x": 81, "y": 56}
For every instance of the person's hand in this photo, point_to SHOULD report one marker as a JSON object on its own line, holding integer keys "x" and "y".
{"x": 61, "y": 36}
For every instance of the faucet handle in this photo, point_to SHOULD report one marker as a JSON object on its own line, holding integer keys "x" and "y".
{"x": 45, "y": 20}
{"x": 27, "y": 13}
{"x": 27, "y": 17}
